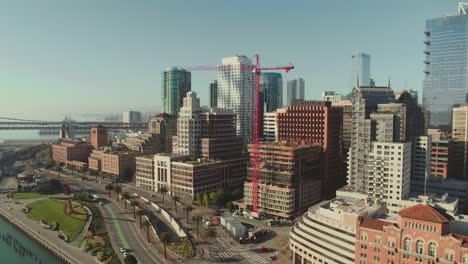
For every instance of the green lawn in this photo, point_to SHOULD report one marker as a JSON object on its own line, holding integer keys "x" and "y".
{"x": 54, "y": 211}
{"x": 26, "y": 195}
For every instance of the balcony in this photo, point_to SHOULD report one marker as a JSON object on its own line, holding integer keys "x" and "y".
{"x": 427, "y": 62}
{"x": 427, "y": 32}
{"x": 427, "y": 42}
{"x": 427, "y": 52}
{"x": 426, "y": 71}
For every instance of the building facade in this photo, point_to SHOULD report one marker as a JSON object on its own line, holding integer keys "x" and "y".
{"x": 317, "y": 122}
{"x": 68, "y": 151}
{"x": 445, "y": 80}
{"x": 295, "y": 90}
{"x": 236, "y": 92}
{"x": 175, "y": 83}
{"x": 145, "y": 144}
{"x": 272, "y": 91}
{"x": 165, "y": 126}
{"x": 460, "y": 142}
{"x": 99, "y": 137}
{"x": 360, "y": 71}
{"x": 115, "y": 162}
{"x": 214, "y": 94}
{"x": 144, "y": 172}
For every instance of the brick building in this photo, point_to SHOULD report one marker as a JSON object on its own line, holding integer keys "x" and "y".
{"x": 165, "y": 126}
{"x": 116, "y": 162}
{"x": 144, "y": 172}
{"x": 421, "y": 234}
{"x": 317, "y": 122}
{"x": 289, "y": 179}
{"x": 71, "y": 151}
{"x": 144, "y": 144}
{"x": 99, "y": 137}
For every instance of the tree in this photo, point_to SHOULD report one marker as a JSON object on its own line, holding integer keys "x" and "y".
{"x": 210, "y": 233}
{"x": 117, "y": 190}
{"x": 109, "y": 187}
{"x": 147, "y": 225}
{"x": 206, "y": 200}
{"x": 163, "y": 190}
{"x": 164, "y": 238}
{"x": 214, "y": 197}
{"x": 125, "y": 197}
{"x": 140, "y": 213}
{"x": 196, "y": 218}
{"x": 199, "y": 199}
{"x": 134, "y": 204}
{"x": 10, "y": 195}
{"x": 187, "y": 209}
{"x": 130, "y": 259}
{"x": 175, "y": 199}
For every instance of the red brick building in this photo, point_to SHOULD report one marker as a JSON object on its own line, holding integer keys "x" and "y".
{"x": 71, "y": 151}
{"x": 421, "y": 235}
{"x": 317, "y": 122}
{"x": 99, "y": 136}
{"x": 117, "y": 164}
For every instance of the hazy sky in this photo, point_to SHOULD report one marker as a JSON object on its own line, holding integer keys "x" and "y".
{"x": 64, "y": 57}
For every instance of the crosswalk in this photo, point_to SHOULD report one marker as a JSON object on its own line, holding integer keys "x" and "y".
{"x": 251, "y": 256}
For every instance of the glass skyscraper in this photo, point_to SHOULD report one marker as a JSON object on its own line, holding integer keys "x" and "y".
{"x": 295, "y": 89}
{"x": 272, "y": 91}
{"x": 445, "y": 83}
{"x": 175, "y": 82}
{"x": 360, "y": 71}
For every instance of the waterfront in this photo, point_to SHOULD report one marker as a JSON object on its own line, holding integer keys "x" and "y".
{"x": 15, "y": 247}
{"x": 24, "y": 134}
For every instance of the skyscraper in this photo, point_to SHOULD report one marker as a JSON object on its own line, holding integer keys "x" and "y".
{"x": 188, "y": 140}
{"x": 131, "y": 117}
{"x": 236, "y": 92}
{"x": 295, "y": 90}
{"x": 445, "y": 83}
{"x": 360, "y": 71}
{"x": 272, "y": 91}
{"x": 175, "y": 82}
{"x": 214, "y": 93}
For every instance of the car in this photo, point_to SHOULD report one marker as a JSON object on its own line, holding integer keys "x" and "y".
{"x": 123, "y": 250}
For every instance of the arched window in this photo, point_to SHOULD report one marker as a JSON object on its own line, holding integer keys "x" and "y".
{"x": 432, "y": 249}
{"x": 407, "y": 244}
{"x": 419, "y": 246}
{"x": 378, "y": 240}
{"x": 364, "y": 236}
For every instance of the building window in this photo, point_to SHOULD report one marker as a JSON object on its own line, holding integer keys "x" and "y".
{"x": 407, "y": 244}
{"x": 419, "y": 246}
{"x": 364, "y": 236}
{"x": 378, "y": 240}
{"x": 432, "y": 249}
{"x": 449, "y": 254}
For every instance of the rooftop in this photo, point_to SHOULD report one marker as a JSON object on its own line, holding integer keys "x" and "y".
{"x": 425, "y": 212}
{"x": 375, "y": 224}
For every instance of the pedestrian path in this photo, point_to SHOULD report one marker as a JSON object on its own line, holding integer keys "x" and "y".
{"x": 248, "y": 254}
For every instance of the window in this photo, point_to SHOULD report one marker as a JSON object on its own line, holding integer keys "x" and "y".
{"x": 407, "y": 244}
{"x": 364, "y": 236}
{"x": 449, "y": 254}
{"x": 432, "y": 249}
{"x": 378, "y": 240}
{"x": 419, "y": 246}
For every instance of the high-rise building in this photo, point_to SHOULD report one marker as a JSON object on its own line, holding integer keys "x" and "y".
{"x": 270, "y": 125}
{"x": 99, "y": 137}
{"x": 236, "y": 92}
{"x": 165, "y": 126}
{"x": 188, "y": 139}
{"x": 214, "y": 94}
{"x": 295, "y": 90}
{"x": 131, "y": 117}
{"x": 347, "y": 121}
{"x": 317, "y": 122}
{"x": 459, "y": 166}
{"x": 445, "y": 81}
{"x": 289, "y": 179}
{"x": 175, "y": 83}
{"x": 272, "y": 91}
{"x": 360, "y": 71}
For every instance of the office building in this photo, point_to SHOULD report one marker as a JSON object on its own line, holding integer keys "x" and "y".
{"x": 327, "y": 231}
{"x": 145, "y": 144}
{"x": 440, "y": 158}
{"x": 317, "y": 122}
{"x": 289, "y": 179}
{"x": 270, "y": 125}
{"x": 360, "y": 70}
{"x": 272, "y": 91}
{"x": 71, "y": 150}
{"x": 445, "y": 80}
{"x": 459, "y": 163}
{"x": 295, "y": 90}
{"x": 99, "y": 137}
{"x": 144, "y": 172}
{"x": 347, "y": 121}
{"x": 175, "y": 83}
{"x": 422, "y": 152}
{"x": 420, "y": 234}
{"x": 331, "y": 96}
{"x": 131, "y": 117}
{"x": 214, "y": 94}
{"x": 165, "y": 126}
{"x": 114, "y": 162}
{"x": 236, "y": 92}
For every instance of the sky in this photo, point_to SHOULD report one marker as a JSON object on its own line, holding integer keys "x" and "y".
{"x": 72, "y": 58}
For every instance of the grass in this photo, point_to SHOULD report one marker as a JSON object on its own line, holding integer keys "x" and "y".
{"x": 181, "y": 247}
{"x": 50, "y": 211}
{"x": 26, "y": 195}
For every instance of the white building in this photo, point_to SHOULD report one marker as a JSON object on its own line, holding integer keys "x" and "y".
{"x": 332, "y": 97}
{"x": 131, "y": 117}
{"x": 422, "y": 149}
{"x": 270, "y": 128}
{"x": 236, "y": 92}
{"x": 188, "y": 138}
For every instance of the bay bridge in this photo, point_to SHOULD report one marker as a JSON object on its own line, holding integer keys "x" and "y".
{"x": 52, "y": 127}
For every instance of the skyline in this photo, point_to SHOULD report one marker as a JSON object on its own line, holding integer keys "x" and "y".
{"x": 109, "y": 56}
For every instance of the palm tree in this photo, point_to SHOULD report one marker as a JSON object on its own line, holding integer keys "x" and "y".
{"x": 164, "y": 238}
{"x": 134, "y": 204}
{"x": 125, "y": 197}
{"x": 10, "y": 195}
{"x": 140, "y": 213}
{"x": 197, "y": 219}
{"x": 163, "y": 190}
{"x": 187, "y": 209}
{"x": 109, "y": 187}
{"x": 117, "y": 190}
{"x": 175, "y": 198}
{"x": 209, "y": 234}
{"x": 146, "y": 224}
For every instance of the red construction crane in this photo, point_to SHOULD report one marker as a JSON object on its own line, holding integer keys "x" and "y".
{"x": 256, "y": 69}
